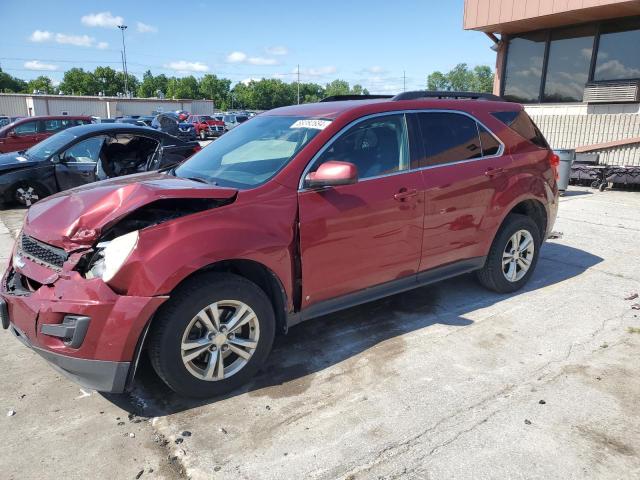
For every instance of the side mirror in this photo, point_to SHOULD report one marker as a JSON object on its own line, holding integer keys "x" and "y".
{"x": 332, "y": 174}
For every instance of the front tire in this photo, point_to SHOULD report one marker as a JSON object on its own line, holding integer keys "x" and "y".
{"x": 27, "y": 193}
{"x": 212, "y": 336}
{"x": 513, "y": 255}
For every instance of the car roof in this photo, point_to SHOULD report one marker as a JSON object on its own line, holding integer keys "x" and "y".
{"x": 97, "y": 128}
{"x": 332, "y": 110}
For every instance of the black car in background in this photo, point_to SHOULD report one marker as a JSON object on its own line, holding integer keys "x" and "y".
{"x": 85, "y": 154}
{"x": 171, "y": 123}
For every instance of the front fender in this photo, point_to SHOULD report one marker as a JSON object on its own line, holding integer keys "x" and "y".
{"x": 166, "y": 254}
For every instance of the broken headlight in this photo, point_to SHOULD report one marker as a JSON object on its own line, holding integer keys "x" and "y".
{"x": 110, "y": 256}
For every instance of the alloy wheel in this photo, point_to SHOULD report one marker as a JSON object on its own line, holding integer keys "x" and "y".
{"x": 518, "y": 255}
{"x": 27, "y": 195}
{"x": 220, "y": 340}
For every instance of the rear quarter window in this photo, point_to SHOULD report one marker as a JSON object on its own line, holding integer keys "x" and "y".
{"x": 522, "y": 124}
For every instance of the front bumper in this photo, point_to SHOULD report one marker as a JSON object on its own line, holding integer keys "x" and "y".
{"x": 110, "y": 344}
{"x": 101, "y": 375}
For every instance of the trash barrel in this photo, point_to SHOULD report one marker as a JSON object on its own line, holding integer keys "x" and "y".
{"x": 564, "y": 169}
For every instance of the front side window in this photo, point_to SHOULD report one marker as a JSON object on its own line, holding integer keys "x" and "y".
{"x": 86, "y": 151}
{"x": 619, "y": 51}
{"x": 378, "y": 146}
{"x": 523, "y": 73}
{"x": 28, "y": 128}
{"x": 569, "y": 62}
{"x": 248, "y": 156}
{"x": 449, "y": 137}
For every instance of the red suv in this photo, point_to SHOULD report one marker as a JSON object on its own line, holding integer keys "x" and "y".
{"x": 302, "y": 211}
{"x": 26, "y": 132}
{"x": 206, "y": 126}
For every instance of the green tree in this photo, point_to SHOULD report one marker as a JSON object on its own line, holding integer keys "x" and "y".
{"x": 462, "y": 79}
{"x": 184, "y": 87}
{"x": 438, "y": 81}
{"x": 309, "y": 92}
{"x": 77, "y": 81}
{"x": 216, "y": 89}
{"x": 108, "y": 81}
{"x": 40, "y": 84}
{"x": 152, "y": 86}
{"x": 337, "y": 87}
{"x": 10, "y": 84}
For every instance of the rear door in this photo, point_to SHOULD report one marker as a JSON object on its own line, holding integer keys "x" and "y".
{"x": 463, "y": 167}
{"x": 368, "y": 233}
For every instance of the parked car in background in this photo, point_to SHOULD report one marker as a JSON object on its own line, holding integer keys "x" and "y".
{"x": 26, "y": 132}
{"x": 170, "y": 123}
{"x": 206, "y": 126}
{"x": 85, "y": 154}
{"x": 231, "y": 121}
{"x": 303, "y": 211}
{"x": 146, "y": 119}
{"x": 4, "y": 120}
{"x": 131, "y": 121}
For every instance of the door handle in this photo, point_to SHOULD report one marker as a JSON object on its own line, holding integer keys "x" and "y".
{"x": 490, "y": 172}
{"x": 404, "y": 193}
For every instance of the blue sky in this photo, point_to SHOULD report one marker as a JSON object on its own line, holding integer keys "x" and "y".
{"x": 363, "y": 41}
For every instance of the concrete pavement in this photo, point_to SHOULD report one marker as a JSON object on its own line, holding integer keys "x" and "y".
{"x": 448, "y": 381}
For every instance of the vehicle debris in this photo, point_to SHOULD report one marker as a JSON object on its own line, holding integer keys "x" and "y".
{"x": 633, "y": 296}
{"x": 542, "y": 402}
{"x": 555, "y": 235}
{"x": 178, "y": 441}
{"x": 635, "y": 306}
{"x": 139, "y": 474}
{"x": 186, "y": 433}
{"x": 527, "y": 421}
{"x": 11, "y": 413}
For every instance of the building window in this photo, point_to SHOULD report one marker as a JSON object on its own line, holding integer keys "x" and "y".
{"x": 619, "y": 51}
{"x": 560, "y": 62}
{"x": 524, "y": 67}
{"x": 568, "y": 65}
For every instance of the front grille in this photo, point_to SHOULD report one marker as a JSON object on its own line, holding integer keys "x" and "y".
{"x": 42, "y": 253}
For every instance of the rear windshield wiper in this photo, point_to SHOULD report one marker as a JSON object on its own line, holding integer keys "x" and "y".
{"x": 201, "y": 180}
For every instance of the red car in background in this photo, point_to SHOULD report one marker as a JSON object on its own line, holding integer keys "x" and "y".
{"x": 26, "y": 132}
{"x": 206, "y": 126}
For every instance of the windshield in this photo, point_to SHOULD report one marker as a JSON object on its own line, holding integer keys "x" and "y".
{"x": 49, "y": 146}
{"x": 251, "y": 154}
{"x": 205, "y": 118}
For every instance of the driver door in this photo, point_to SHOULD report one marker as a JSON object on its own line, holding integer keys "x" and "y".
{"x": 369, "y": 233}
{"x": 78, "y": 164}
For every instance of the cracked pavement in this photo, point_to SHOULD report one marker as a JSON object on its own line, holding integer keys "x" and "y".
{"x": 448, "y": 381}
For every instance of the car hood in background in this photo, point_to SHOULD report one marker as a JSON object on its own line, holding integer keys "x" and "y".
{"x": 13, "y": 161}
{"x": 76, "y": 218}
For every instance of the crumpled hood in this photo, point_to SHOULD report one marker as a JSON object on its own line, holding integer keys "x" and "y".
{"x": 76, "y": 218}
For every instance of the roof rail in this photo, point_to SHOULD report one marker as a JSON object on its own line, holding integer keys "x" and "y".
{"x": 339, "y": 98}
{"x": 443, "y": 94}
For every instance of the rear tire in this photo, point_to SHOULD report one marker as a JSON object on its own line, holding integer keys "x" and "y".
{"x": 193, "y": 349}
{"x": 513, "y": 255}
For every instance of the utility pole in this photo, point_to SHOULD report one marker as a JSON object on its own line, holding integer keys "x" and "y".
{"x": 404, "y": 81}
{"x": 124, "y": 61}
{"x": 298, "y": 84}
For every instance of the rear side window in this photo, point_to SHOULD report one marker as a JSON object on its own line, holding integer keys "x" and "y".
{"x": 523, "y": 126}
{"x": 489, "y": 144}
{"x": 449, "y": 137}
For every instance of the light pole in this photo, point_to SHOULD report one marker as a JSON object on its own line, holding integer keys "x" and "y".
{"x": 124, "y": 61}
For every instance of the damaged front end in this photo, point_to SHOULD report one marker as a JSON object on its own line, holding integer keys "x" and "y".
{"x": 57, "y": 293}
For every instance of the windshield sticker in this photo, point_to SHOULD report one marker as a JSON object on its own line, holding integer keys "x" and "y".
{"x": 310, "y": 123}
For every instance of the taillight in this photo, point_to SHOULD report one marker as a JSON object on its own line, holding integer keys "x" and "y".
{"x": 554, "y": 161}
{"x": 196, "y": 149}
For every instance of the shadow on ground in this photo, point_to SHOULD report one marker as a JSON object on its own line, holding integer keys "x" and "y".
{"x": 325, "y": 341}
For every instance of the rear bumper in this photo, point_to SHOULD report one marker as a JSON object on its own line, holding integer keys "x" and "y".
{"x": 101, "y": 375}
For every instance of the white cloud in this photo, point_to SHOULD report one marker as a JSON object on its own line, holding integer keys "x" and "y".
{"x": 317, "y": 72}
{"x": 277, "y": 50}
{"x": 102, "y": 19}
{"x": 102, "y": 45}
{"x": 261, "y": 61}
{"x": 241, "y": 57}
{"x": 38, "y": 65}
{"x": 376, "y": 69}
{"x": 247, "y": 81}
{"x": 146, "y": 28}
{"x": 236, "y": 57}
{"x": 184, "y": 66}
{"x": 77, "y": 40}
{"x": 40, "y": 36}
